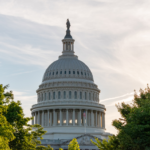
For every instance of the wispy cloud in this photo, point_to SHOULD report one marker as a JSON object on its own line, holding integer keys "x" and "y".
{"x": 128, "y": 94}
{"x": 19, "y": 73}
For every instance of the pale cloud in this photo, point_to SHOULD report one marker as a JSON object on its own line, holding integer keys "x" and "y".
{"x": 117, "y": 97}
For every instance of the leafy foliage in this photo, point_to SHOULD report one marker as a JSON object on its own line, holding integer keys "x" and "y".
{"x": 15, "y": 126}
{"x": 73, "y": 145}
{"x": 111, "y": 144}
{"x": 134, "y": 126}
{"x": 6, "y": 132}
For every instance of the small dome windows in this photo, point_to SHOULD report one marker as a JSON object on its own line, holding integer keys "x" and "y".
{"x": 68, "y": 73}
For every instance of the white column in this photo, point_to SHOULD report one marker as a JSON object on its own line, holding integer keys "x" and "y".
{"x": 48, "y": 117}
{"x": 38, "y": 117}
{"x": 54, "y": 122}
{"x": 33, "y": 119}
{"x": 43, "y": 118}
{"x": 103, "y": 120}
{"x": 100, "y": 120}
{"x": 96, "y": 118}
{"x": 60, "y": 117}
{"x": 66, "y": 117}
{"x": 73, "y": 118}
{"x": 80, "y": 117}
{"x": 92, "y": 123}
{"x": 86, "y": 117}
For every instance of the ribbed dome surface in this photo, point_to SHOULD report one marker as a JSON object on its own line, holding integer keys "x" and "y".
{"x": 68, "y": 67}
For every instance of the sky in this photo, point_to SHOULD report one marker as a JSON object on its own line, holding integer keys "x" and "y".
{"x": 112, "y": 37}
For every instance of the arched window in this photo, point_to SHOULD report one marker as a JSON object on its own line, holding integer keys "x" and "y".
{"x": 59, "y": 95}
{"x": 45, "y": 97}
{"x": 75, "y": 95}
{"x": 53, "y": 95}
{"x": 89, "y": 96}
{"x": 69, "y": 72}
{"x": 64, "y": 94}
{"x": 70, "y": 94}
{"x": 85, "y": 96}
{"x": 80, "y": 95}
{"x": 49, "y": 95}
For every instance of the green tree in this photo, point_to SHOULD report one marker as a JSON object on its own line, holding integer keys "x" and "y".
{"x": 73, "y": 145}
{"x": 134, "y": 126}
{"x": 6, "y": 132}
{"x": 26, "y": 136}
{"x": 111, "y": 144}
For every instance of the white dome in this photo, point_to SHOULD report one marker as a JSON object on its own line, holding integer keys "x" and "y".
{"x": 69, "y": 67}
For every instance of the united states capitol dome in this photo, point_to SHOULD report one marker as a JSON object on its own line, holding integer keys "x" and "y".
{"x": 68, "y": 67}
{"x": 68, "y": 104}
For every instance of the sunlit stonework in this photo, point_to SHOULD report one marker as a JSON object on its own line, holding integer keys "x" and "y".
{"x": 68, "y": 104}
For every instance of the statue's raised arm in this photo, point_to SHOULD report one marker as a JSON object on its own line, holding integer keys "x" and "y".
{"x": 68, "y": 24}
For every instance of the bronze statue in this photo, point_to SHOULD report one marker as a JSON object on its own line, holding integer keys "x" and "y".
{"x": 68, "y": 24}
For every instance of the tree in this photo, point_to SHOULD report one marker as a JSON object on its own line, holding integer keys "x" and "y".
{"x": 73, "y": 145}
{"x": 26, "y": 136}
{"x": 6, "y": 132}
{"x": 134, "y": 126}
{"x": 111, "y": 144}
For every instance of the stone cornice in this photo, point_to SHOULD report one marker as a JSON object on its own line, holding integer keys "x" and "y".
{"x": 62, "y": 104}
{"x": 68, "y": 84}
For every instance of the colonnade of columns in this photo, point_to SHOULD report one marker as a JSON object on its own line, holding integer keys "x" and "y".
{"x": 69, "y": 117}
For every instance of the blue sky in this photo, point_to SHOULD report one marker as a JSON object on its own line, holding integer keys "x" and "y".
{"x": 111, "y": 36}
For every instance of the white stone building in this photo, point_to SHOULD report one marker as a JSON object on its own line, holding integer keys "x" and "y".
{"x": 68, "y": 104}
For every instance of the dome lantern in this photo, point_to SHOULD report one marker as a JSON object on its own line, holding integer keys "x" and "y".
{"x": 68, "y": 41}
